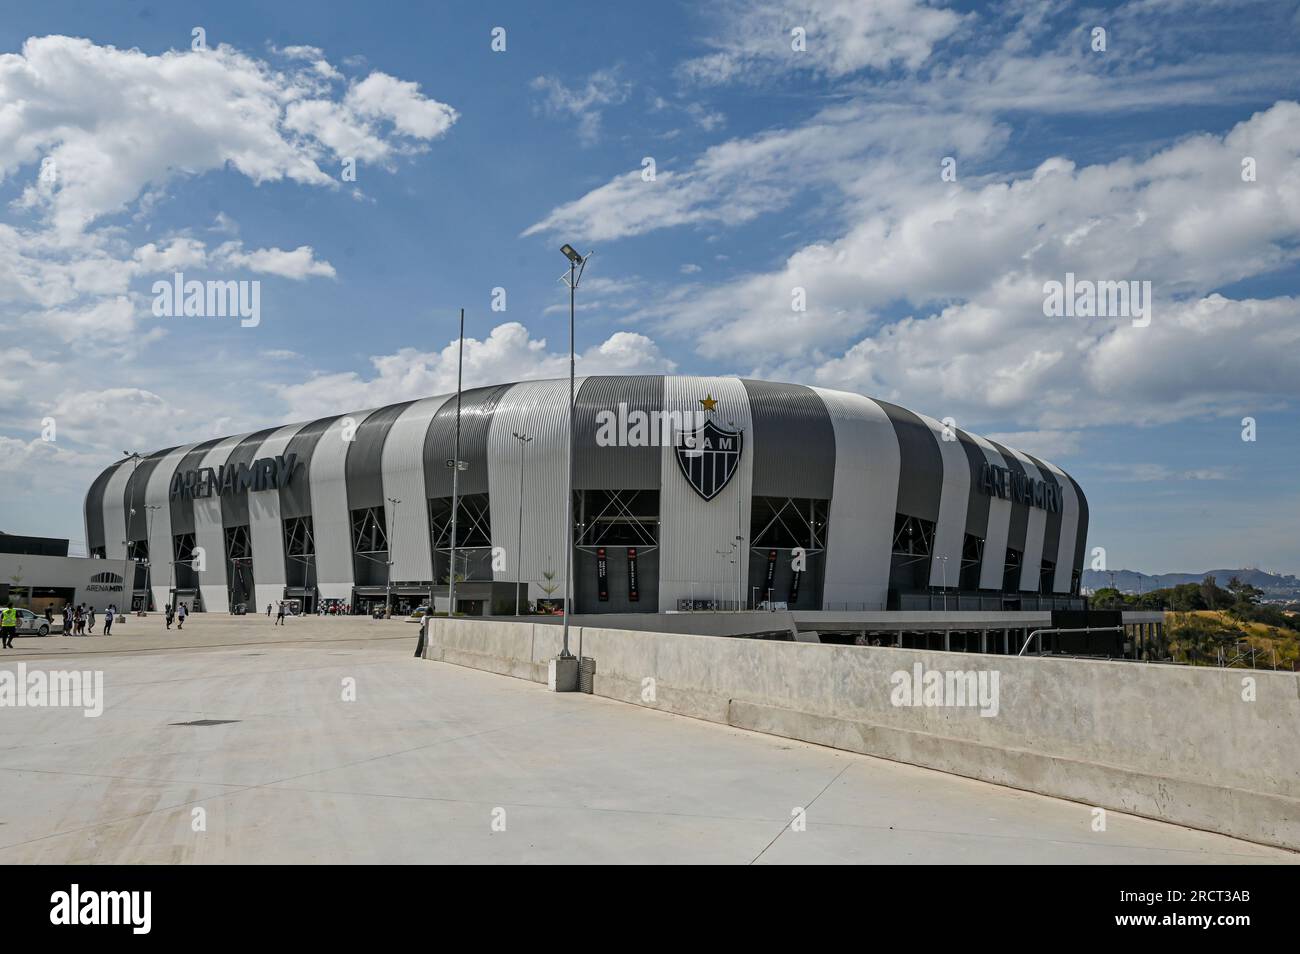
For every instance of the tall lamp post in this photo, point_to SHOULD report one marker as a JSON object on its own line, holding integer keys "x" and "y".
{"x": 577, "y": 264}
{"x": 524, "y": 440}
{"x": 128, "y": 577}
{"x": 388, "y": 584}
{"x": 741, "y": 565}
{"x": 456, "y": 465}
{"x": 148, "y": 566}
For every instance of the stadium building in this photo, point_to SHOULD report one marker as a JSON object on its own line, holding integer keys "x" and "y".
{"x": 689, "y": 492}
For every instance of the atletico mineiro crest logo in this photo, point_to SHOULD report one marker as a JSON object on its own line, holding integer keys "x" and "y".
{"x": 708, "y": 457}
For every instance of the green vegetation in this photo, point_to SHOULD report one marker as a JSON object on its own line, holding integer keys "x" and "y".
{"x": 1208, "y": 625}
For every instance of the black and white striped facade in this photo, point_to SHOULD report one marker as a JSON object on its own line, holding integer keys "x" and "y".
{"x": 883, "y": 502}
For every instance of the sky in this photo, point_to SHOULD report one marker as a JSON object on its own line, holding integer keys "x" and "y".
{"x": 913, "y": 174}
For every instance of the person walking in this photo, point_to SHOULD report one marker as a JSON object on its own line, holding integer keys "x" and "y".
{"x": 279, "y": 616}
{"x": 268, "y": 610}
{"x": 67, "y": 619}
{"x": 78, "y": 621}
{"x": 169, "y": 615}
{"x": 108, "y": 620}
{"x": 90, "y": 621}
{"x": 181, "y": 613}
{"x": 8, "y": 625}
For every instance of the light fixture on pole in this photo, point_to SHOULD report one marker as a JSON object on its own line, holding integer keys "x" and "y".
{"x": 128, "y": 577}
{"x": 523, "y": 440}
{"x": 740, "y": 526}
{"x": 944, "y": 564}
{"x": 388, "y": 584}
{"x": 148, "y": 566}
{"x": 456, "y": 465}
{"x": 564, "y": 668}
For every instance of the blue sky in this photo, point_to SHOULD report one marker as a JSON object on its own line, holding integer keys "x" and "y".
{"x": 775, "y": 168}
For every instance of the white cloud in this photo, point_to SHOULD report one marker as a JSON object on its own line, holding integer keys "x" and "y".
{"x": 753, "y": 39}
{"x": 384, "y": 97}
{"x": 298, "y": 264}
{"x": 584, "y": 101}
{"x": 508, "y": 353}
{"x": 857, "y": 149}
{"x": 971, "y": 259}
{"x": 96, "y": 112}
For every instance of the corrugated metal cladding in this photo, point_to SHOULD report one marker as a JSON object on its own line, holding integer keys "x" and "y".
{"x": 1052, "y": 532}
{"x": 234, "y": 507}
{"x": 137, "y": 493}
{"x": 365, "y": 457}
{"x": 619, "y": 467}
{"x": 861, "y": 519}
{"x": 115, "y": 511}
{"x": 920, "y": 483}
{"x": 793, "y": 441}
{"x": 1069, "y": 521}
{"x": 1081, "y": 535}
{"x": 871, "y": 459}
{"x": 995, "y": 536}
{"x": 1019, "y": 527}
{"x": 692, "y": 530}
{"x": 950, "y": 530}
{"x": 209, "y": 532}
{"x": 182, "y": 510}
{"x": 94, "y": 510}
{"x": 295, "y": 498}
{"x": 403, "y": 471}
{"x": 977, "y": 503}
{"x": 476, "y": 408}
{"x": 161, "y": 551}
{"x": 266, "y": 526}
{"x": 534, "y": 409}
{"x": 331, "y": 521}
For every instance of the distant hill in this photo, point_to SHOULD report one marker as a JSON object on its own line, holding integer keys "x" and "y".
{"x": 1131, "y": 581}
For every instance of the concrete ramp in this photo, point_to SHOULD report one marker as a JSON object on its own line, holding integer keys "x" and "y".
{"x": 1216, "y": 749}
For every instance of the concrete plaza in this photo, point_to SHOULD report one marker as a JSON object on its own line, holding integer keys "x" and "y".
{"x": 334, "y": 745}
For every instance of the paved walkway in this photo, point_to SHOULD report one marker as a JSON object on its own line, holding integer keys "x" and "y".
{"x": 430, "y": 757}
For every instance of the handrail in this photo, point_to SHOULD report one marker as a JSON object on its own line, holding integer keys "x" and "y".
{"x": 1083, "y": 629}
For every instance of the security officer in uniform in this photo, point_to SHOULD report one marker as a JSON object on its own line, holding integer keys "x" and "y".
{"x": 8, "y": 625}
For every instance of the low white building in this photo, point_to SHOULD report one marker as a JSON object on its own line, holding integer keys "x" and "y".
{"x": 35, "y": 582}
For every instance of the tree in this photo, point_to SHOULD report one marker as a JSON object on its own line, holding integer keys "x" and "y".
{"x": 1209, "y": 593}
{"x": 1244, "y": 594}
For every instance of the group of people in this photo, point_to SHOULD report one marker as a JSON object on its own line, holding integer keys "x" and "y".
{"x": 280, "y": 613}
{"x": 79, "y": 620}
{"x": 176, "y": 614}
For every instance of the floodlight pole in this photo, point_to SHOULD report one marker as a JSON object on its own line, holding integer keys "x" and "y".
{"x": 388, "y": 585}
{"x": 568, "y": 467}
{"x": 128, "y": 585}
{"x": 577, "y": 263}
{"x": 455, "y": 474}
{"x": 148, "y": 566}
{"x": 519, "y": 539}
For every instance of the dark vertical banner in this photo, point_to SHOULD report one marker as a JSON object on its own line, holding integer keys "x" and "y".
{"x": 794, "y": 588}
{"x": 633, "y": 583}
{"x": 771, "y": 574}
{"x": 602, "y": 574}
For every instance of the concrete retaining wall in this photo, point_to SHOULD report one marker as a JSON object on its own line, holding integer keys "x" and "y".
{"x": 1169, "y": 742}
